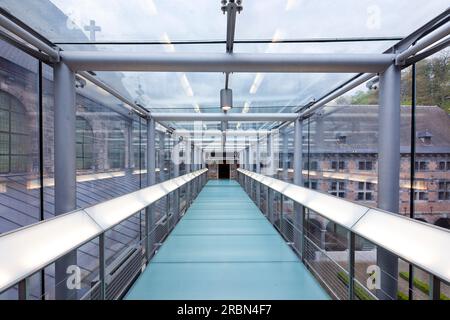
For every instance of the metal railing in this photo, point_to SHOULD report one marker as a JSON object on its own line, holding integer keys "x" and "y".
{"x": 294, "y": 211}
{"x": 29, "y": 250}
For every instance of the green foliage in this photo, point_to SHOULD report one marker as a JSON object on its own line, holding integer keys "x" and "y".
{"x": 432, "y": 85}
{"x": 402, "y": 296}
{"x": 422, "y": 286}
{"x": 360, "y": 292}
{"x": 365, "y": 97}
{"x": 432, "y": 82}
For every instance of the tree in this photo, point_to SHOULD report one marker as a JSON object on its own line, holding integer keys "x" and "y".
{"x": 432, "y": 84}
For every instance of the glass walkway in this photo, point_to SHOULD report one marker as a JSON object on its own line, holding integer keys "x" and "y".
{"x": 224, "y": 248}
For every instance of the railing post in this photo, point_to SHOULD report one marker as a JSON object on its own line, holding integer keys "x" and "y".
{"x": 151, "y": 163}
{"x": 65, "y": 165}
{"x": 435, "y": 288}
{"x": 102, "y": 266}
{"x": 24, "y": 289}
{"x": 351, "y": 264}
{"x": 388, "y": 170}
{"x": 270, "y": 204}
{"x": 168, "y": 212}
{"x": 281, "y": 212}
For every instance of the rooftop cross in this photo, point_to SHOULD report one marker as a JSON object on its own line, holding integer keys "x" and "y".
{"x": 92, "y": 28}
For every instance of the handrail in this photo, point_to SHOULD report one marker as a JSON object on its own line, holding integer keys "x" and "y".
{"x": 27, "y": 250}
{"x": 422, "y": 244}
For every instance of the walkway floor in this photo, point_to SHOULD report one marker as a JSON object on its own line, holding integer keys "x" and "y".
{"x": 224, "y": 248}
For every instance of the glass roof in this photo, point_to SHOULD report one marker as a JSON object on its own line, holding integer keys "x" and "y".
{"x": 149, "y": 20}
{"x": 272, "y": 26}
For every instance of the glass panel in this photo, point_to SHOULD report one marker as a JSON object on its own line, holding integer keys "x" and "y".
{"x": 70, "y": 20}
{"x": 19, "y": 139}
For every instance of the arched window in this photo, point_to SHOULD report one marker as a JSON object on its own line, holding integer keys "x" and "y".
{"x": 116, "y": 149}
{"x": 85, "y": 144}
{"x": 14, "y": 135}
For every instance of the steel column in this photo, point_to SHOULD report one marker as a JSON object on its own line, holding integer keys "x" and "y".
{"x": 388, "y": 170}
{"x": 176, "y": 172}
{"x": 130, "y": 146}
{"x": 151, "y": 179}
{"x": 285, "y": 155}
{"x": 298, "y": 180}
{"x": 65, "y": 165}
{"x": 247, "y": 166}
{"x": 258, "y": 170}
{"x": 162, "y": 158}
{"x": 269, "y": 167}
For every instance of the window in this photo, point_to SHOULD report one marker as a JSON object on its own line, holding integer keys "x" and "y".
{"x": 312, "y": 184}
{"x": 365, "y": 191}
{"x": 337, "y": 188}
{"x": 365, "y": 165}
{"x": 313, "y": 165}
{"x": 444, "y": 190}
{"x": 14, "y": 138}
{"x": 116, "y": 149}
{"x": 335, "y": 165}
{"x": 420, "y": 195}
{"x": 421, "y": 166}
{"x": 84, "y": 144}
{"x": 444, "y": 165}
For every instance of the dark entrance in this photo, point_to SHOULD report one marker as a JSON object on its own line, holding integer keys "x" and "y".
{"x": 224, "y": 171}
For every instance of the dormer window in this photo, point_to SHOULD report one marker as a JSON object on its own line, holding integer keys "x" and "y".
{"x": 341, "y": 138}
{"x": 424, "y": 136}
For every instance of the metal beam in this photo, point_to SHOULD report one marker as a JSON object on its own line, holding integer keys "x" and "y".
{"x": 388, "y": 170}
{"x": 224, "y": 116}
{"x": 321, "y": 103}
{"x": 140, "y": 110}
{"x": 28, "y": 37}
{"x": 426, "y": 41}
{"x": 224, "y": 62}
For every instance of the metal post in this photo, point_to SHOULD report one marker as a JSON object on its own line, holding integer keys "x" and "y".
{"x": 258, "y": 170}
{"x": 24, "y": 289}
{"x": 247, "y": 166}
{"x": 176, "y": 173}
{"x": 65, "y": 165}
{"x": 299, "y": 239}
{"x": 130, "y": 147}
{"x": 251, "y": 161}
{"x": 162, "y": 158}
{"x": 151, "y": 163}
{"x": 435, "y": 288}
{"x": 269, "y": 171}
{"x": 102, "y": 266}
{"x": 270, "y": 197}
{"x": 285, "y": 155}
{"x": 187, "y": 165}
{"x": 388, "y": 170}
{"x": 351, "y": 264}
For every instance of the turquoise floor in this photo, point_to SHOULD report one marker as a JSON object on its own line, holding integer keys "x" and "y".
{"x": 224, "y": 248}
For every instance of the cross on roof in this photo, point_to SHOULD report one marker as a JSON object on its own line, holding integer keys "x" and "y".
{"x": 92, "y": 28}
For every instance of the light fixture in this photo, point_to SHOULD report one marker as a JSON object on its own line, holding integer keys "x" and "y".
{"x": 226, "y": 99}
